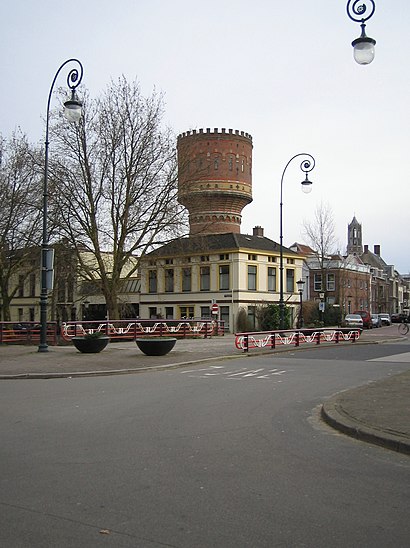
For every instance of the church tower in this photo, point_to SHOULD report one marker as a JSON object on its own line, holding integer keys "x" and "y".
{"x": 214, "y": 178}
{"x": 354, "y": 237}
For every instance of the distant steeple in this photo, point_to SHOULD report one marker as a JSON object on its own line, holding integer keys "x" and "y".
{"x": 354, "y": 237}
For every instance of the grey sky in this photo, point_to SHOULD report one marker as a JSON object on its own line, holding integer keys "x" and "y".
{"x": 281, "y": 71}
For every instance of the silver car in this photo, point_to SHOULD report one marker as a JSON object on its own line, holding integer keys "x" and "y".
{"x": 376, "y": 321}
{"x": 353, "y": 320}
{"x": 385, "y": 318}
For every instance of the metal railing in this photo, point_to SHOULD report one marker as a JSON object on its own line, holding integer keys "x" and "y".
{"x": 295, "y": 337}
{"x": 26, "y": 333}
{"x": 132, "y": 329}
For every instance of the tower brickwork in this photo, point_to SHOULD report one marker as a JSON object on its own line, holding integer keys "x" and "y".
{"x": 214, "y": 178}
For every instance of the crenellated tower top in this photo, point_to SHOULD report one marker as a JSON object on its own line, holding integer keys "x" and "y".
{"x": 214, "y": 178}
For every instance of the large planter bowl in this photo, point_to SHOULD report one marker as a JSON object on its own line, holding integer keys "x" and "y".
{"x": 156, "y": 346}
{"x": 90, "y": 346}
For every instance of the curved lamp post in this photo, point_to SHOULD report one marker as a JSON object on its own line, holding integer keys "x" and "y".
{"x": 306, "y": 166}
{"x": 72, "y": 111}
{"x": 363, "y": 47}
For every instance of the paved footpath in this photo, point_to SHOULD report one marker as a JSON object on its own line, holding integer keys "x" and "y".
{"x": 378, "y": 412}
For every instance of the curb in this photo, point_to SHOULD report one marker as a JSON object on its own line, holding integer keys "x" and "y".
{"x": 336, "y": 417}
{"x": 112, "y": 372}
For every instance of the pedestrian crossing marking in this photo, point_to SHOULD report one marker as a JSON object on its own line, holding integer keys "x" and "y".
{"x": 244, "y": 373}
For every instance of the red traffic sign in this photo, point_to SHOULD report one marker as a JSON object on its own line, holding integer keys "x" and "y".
{"x": 215, "y": 308}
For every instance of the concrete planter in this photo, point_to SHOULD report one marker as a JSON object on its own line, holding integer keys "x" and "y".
{"x": 90, "y": 346}
{"x": 156, "y": 346}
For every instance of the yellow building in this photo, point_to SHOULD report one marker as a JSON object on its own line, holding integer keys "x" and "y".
{"x": 236, "y": 271}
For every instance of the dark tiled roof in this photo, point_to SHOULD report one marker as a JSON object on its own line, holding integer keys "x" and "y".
{"x": 373, "y": 260}
{"x": 218, "y": 242}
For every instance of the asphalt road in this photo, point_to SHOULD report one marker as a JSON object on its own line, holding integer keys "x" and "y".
{"x": 231, "y": 454}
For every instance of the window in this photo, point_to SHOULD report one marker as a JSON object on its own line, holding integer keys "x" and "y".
{"x": 204, "y": 258}
{"x": 169, "y": 280}
{"x": 331, "y": 285}
{"x": 252, "y": 317}
{"x": 186, "y": 312}
{"x": 317, "y": 282}
{"x": 216, "y": 163}
{"x": 271, "y": 278}
{"x": 224, "y": 315}
{"x": 290, "y": 280}
{"x": 252, "y": 273}
{"x": 290, "y": 261}
{"x": 272, "y": 259}
{"x": 61, "y": 291}
{"x": 169, "y": 261}
{"x": 205, "y": 278}
{"x": 205, "y": 312}
{"x": 252, "y": 257}
{"x": 230, "y": 163}
{"x": 169, "y": 313}
{"x": 21, "y": 286}
{"x": 186, "y": 279}
{"x": 152, "y": 281}
{"x": 224, "y": 277}
{"x": 32, "y": 284}
{"x": 224, "y": 257}
{"x": 152, "y": 312}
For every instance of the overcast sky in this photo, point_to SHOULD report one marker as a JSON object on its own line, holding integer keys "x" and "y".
{"x": 282, "y": 71}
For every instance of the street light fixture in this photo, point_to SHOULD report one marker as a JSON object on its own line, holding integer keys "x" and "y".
{"x": 306, "y": 166}
{"x": 363, "y": 47}
{"x": 72, "y": 111}
{"x": 300, "y": 283}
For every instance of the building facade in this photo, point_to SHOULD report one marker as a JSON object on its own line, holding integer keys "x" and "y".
{"x": 236, "y": 271}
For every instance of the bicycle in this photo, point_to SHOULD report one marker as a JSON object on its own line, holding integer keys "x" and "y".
{"x": 404, "y": 328}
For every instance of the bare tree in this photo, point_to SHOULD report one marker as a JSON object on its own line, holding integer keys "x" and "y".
{"x": 321, "y": 234}
{"x": 20, "y": 219}
{"x": 116, "y": 185}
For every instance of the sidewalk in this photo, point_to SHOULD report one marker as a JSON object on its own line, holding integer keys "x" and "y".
{"x": 378, "y": 412}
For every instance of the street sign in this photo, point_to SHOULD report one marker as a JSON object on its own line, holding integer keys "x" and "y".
{"x": 215, "y": 308}
{"x": 322, "y": 306}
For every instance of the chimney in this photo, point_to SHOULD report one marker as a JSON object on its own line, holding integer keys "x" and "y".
{"x": 377, "y": 250}
{"x": 258, "y": 231}
{"x": 366, "y": 248}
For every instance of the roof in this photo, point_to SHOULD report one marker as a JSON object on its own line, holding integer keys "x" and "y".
{"x": 218, "y": 243}
{"x": 302, "y": 249}
{"x": 370, "y": 258}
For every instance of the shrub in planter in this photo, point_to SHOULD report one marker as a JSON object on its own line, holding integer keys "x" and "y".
{"x": 91, "y": 343}
{"x": 156, "y": 346}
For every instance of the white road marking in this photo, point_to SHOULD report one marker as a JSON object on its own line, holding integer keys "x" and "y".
{"x": 399, "y": 358}
{"x": 241, "y": 374}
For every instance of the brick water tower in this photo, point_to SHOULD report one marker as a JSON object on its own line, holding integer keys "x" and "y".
{"x": 214, "y": 178}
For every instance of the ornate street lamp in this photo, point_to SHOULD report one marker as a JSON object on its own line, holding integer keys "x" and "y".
{"x": 306, "y": 166}
{"x": 300, "y": 283}
{"x": 363, "y": 47}
{"x": 72, "y": 111}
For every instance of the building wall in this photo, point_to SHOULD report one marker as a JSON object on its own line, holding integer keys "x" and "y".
{"x": 230, "y": 298}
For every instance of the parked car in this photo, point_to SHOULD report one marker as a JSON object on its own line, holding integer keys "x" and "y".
{"x": 366, "y": 317}
{"x": 376, "y": 321}
{"x": 353, "y": 320}
{"x": 385, "y": 318}
{"x": 398, "y": 318}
